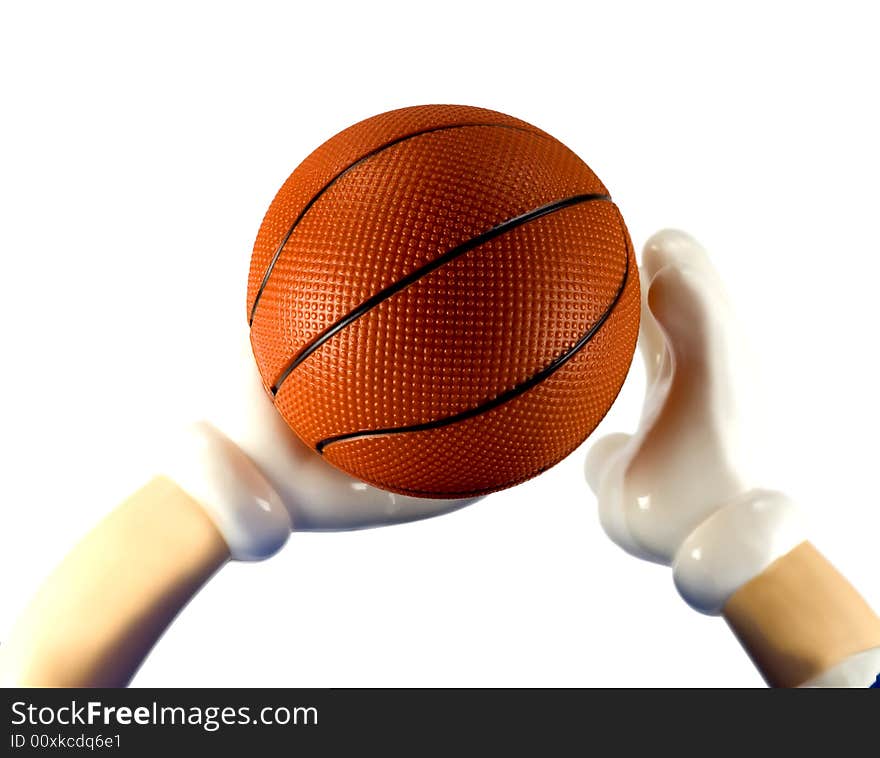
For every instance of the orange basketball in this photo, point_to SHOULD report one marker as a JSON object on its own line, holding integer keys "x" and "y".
{"x": 443, "y": 301}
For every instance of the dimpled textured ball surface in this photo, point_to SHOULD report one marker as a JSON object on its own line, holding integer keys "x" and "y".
{"x": 443, "y": 301}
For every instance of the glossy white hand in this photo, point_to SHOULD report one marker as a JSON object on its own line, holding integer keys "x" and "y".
{"x": 683, "y": 462}
{"x": 677, "y": 491}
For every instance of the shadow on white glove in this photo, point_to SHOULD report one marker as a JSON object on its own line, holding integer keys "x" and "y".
{"x": 684, "y": 460}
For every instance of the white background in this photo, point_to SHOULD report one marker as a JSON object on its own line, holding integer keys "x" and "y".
{"x": 138, "y": 152}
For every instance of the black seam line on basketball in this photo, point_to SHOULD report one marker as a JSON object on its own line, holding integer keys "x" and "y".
{"x": 373, "y": 153}
{"x": 517, "y": 480}
{"x": 433, "y": 265}
{"x": 504, "y": 397}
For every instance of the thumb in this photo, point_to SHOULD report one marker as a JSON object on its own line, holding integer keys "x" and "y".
{"x": 673, "y": 247}
{"x": 668, "y": 248}
{"x": 693, "y": 316}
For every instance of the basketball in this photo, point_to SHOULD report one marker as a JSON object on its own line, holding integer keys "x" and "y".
{"x": 443, "y": 301}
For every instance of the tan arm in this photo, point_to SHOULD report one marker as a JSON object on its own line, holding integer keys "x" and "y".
{"x": 800, "y": 617}
{"x": 102, "y": 610}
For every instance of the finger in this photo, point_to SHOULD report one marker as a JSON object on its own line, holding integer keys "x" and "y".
{"x": 673, "y": 247}
{"x": 652, "y": 343}
{"x": 692, "y": 315}
{"x": 600, "y": 456}
{"x": 668, "y": 247}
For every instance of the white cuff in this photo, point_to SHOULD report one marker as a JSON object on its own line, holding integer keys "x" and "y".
{"x": 733, "y": 545}
{"x": 235, "y": 494}
{"x": 859, "y": 670}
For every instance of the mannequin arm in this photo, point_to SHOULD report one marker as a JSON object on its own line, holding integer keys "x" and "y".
{"x": 800, "y": 617}
{"x": 101, "y": 611}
